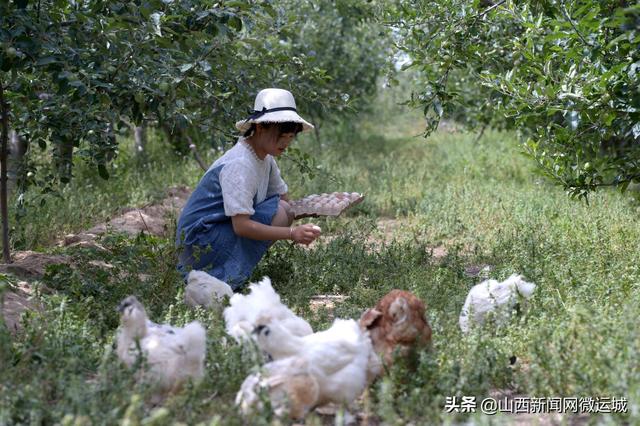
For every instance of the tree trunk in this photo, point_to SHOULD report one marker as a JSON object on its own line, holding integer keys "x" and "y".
{"x": 316, "y": 133}
{"x": 111, "y": 136}
{"x": 196, "y": 155}
{"x": 63, "y": 158}
{"x": 140, "y": 139}
{"x": 477, "y": 139}
{"x": 177, "y": 137}
{"x": 17, "y": 150}
{"x": 4, "y": 108}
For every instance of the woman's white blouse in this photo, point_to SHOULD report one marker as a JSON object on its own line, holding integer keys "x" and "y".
{"x": 245, "y": 179}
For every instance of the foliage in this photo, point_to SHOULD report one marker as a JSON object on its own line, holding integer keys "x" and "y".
{"x": 565, "y": 74}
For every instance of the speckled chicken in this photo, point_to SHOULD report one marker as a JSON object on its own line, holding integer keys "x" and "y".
{"x": 397, "y": 325}
{"x": 173, "y": 354}
{"x": 289, "y": 384}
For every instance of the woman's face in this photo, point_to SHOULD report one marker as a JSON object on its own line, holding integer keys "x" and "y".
{"x": 268, "y": 141}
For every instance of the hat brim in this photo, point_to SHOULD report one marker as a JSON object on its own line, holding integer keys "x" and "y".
{"x": 275, "y": 117}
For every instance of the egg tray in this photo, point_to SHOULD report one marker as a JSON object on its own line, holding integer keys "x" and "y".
{"x": 326, "y": 204}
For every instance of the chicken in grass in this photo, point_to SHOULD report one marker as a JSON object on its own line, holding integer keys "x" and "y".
{"x": 397, "y": 325}
{"x": 291, "y": 388}
{"x": 492, "y": 296}
{"x": 173, "y": 355}
{"x": 205, "y": 290}
{"x": 340, "y": 358}
{"x": 241, "y": 315}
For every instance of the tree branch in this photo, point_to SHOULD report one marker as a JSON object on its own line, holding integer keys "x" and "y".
{"x": 566, "y": 15}
{"x": 628, "y": 179}
{"x": 500, "y": 3}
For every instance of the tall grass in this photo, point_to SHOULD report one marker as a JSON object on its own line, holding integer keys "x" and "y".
{"x": 479, "y": 202}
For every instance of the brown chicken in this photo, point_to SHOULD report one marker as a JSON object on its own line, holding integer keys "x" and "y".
{"x": 397, "y": 326}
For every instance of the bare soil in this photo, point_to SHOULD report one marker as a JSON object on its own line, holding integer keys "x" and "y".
{"x": 16, "y": 302}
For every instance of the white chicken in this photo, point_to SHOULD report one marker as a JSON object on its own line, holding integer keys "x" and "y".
{"x": 289, "y": 384}
{"x": 173, "y": 354}
{"x": 240, "y": 317}
{"x": 490, "y": 296}
{"x": 340, "y": 358}
{"x": 205, "y": 290}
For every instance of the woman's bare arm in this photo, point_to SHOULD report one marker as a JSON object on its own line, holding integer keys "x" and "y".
{"x": 243, "y": 226}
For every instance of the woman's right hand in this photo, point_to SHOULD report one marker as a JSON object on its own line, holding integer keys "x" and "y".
{"x": 305, "y": 234}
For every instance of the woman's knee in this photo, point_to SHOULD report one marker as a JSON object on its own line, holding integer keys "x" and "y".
{"x": 284, "y": 215}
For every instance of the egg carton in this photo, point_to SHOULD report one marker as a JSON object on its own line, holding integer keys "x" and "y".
{"x": 325, "y": 204}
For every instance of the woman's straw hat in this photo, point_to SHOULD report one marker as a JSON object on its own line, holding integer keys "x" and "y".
{"x": 273, "y": 106}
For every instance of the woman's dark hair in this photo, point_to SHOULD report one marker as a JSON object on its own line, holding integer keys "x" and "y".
{"x": 286, "y": 127}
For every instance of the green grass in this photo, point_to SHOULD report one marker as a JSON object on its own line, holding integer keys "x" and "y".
{"x": 480, "y": 201}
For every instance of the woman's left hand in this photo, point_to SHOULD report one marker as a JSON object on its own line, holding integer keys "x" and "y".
{"x": 305, "y": 234}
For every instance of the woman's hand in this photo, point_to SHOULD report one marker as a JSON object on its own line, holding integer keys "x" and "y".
{"x": 305, "y": 234}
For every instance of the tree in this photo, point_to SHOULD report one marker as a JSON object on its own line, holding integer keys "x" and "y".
{"x": 343, "y": 39}
{"x": 565, "y": 74}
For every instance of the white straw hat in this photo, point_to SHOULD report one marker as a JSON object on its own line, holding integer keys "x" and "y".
{"x": 273, "y": 106}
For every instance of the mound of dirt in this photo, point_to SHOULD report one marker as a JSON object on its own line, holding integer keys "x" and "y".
{"x": 15, "y": 302}
{"x": 31, "y": 264}
{"x": 28, "y": 265}
{"x": 151, "y": 219}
